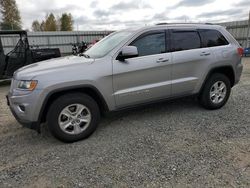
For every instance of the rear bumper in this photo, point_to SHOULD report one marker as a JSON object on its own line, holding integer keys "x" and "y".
{"x": 239, "y": 69}
{"x": 24, "y": 123}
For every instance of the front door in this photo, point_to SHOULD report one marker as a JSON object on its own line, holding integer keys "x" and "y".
{"x": 146, "y": 77}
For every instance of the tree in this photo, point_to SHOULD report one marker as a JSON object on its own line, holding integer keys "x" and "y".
{"x": 11, "y": 15}
{"x": 66, "y": 22}
{"x": 60, "y": 23}
{"x": 50, "y": 23}
{"x": 42, "y": 26}
{"x": 36, "y": 26}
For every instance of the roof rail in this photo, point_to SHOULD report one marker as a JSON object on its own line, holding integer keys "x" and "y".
{"x": 165, "y": 23}
{"x": 161, "y": 23}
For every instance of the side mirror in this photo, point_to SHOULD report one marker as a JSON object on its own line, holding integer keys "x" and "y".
{"x": 127, "y": 52}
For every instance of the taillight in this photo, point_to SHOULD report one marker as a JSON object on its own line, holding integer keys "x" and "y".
{"x": 240, "y": 51}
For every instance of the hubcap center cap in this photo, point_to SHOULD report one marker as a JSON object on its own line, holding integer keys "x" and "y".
{"x": 75, "y": 120}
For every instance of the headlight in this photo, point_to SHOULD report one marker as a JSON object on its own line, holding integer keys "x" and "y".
{"x": 28, "y": 85}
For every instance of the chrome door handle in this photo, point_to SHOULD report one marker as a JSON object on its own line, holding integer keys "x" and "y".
{"x": 162, "y": 60}
{"x": 205, "y": 53}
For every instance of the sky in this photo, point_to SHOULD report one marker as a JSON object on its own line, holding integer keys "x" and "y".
{"x": 116, "y": 14}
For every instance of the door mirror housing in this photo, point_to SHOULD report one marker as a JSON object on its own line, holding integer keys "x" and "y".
{"x": 127, "y": 52}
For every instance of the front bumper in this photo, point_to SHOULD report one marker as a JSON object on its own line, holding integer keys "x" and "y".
{"x": 35, "y": 125}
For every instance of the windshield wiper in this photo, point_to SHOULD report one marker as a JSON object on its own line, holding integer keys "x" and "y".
{"x": 85, "y": 55}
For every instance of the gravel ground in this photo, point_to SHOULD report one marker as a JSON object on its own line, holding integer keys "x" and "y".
{"x": 172, "y": 144}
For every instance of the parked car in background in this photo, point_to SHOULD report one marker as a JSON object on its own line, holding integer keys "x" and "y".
{"x": 127, "y": 68}
{"x": 246, "y": 51}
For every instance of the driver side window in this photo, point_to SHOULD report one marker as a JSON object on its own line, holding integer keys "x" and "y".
{"x": 150, "y": 44}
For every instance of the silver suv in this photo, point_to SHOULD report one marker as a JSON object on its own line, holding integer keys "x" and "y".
{"x": 125, "y": 69}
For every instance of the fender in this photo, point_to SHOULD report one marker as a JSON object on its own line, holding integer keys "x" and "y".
{"x": 60, "y": 91}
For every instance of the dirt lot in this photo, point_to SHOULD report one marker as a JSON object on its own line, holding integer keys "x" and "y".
{"x": 173, "y": 144}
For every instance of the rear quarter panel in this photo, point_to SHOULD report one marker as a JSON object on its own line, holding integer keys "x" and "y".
{"x": 221, "y": 56}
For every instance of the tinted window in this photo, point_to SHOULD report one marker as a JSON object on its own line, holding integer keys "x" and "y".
{"x": 212, "y": 38}
{"x": 150, "y": 44}
{"x": 185, "y": 40}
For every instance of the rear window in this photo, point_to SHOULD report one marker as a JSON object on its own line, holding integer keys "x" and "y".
{"x": 185, "y": 40}
{"x": 211, "y": 38}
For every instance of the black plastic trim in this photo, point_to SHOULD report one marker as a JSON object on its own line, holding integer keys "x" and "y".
{"x": 65, "y": 89}
{"x": 213, "y": 69}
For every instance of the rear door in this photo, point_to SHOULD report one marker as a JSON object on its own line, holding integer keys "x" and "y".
{"x": 146, "y": 77}
{"x": 223, "y": 51}
{"x": 189, "y": 60}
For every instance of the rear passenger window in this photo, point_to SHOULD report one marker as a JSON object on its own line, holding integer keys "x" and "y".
{"x": 212, "y": 38}
{"x": 185, "y": 40}
{"x": 150, "y": 44}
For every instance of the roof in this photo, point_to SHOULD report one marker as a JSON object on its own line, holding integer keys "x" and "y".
{"x": 10, "y": 32}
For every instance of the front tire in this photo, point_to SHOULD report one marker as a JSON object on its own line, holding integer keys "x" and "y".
{"x": 215, "y": 92}
{"x": 73, "y": 117}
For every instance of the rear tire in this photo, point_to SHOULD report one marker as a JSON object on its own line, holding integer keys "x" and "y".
{"x": 215, "y": 92}
{"x": 73, "y": 117}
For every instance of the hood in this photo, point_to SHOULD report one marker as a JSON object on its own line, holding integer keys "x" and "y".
{"x": 43, "y": 67}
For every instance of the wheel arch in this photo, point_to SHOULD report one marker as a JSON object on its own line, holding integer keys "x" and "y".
{"x": 86, "y": 89}
{"x": 226, "y": 70}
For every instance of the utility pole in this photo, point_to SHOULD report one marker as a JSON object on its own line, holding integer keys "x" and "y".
{"x": 248, "y": 30}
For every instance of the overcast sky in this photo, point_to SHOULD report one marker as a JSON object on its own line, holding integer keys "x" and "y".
{"x": 116, "y": 14}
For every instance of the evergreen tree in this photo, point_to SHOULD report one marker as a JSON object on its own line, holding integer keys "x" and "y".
{"x": 36, "y": 26}
{"x": 11, "y": 16}
{"x": 61, "y": 23}
{"x": 58, "y": 23}
{"x": 50, "y": 23}
{"x": 42, "y": 26}
{"x": 66, "y": 22}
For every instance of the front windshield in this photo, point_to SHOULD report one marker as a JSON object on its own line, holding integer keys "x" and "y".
{"x": 107, "y": 44}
